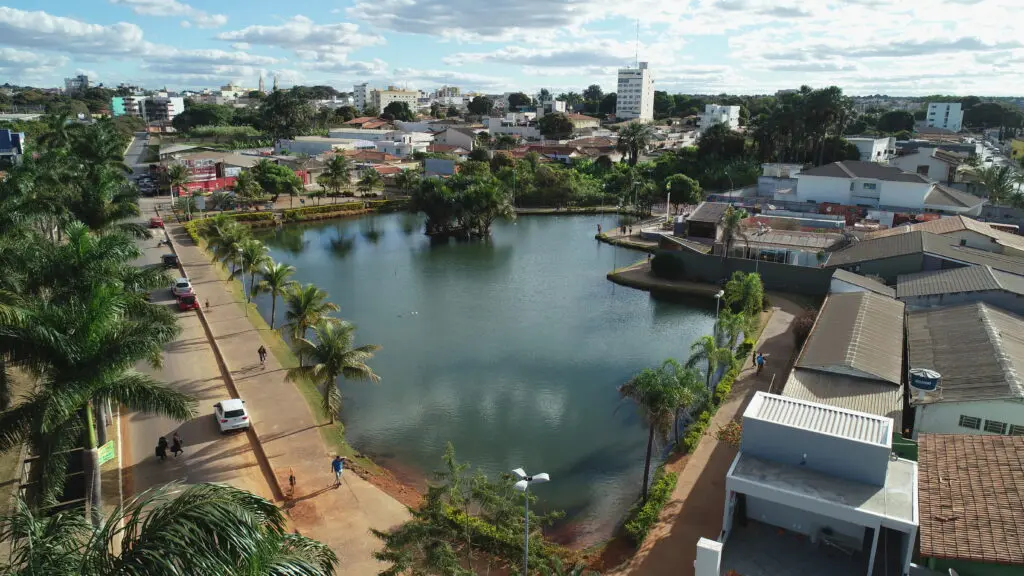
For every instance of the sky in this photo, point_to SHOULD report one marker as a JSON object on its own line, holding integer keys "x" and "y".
{"x": 895, "y": 47}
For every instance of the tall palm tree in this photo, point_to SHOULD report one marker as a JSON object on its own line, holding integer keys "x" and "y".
{"x": 730, "y": 326}
{"x": 732, "y": 228}
{"x": 337, "y": 174}
{"x": 82, "y": 352}
{"x": 224, "y": 236}
{"x": 658, "y": 398}
{"x": 108, "y": 201}
{"x": 276, "y": 281}
{"x": 634, "y": 139}
{"x": 252, "y": 256}
{"x": 170, "y": 530}
{"x": 705, "y": 349}
{"x": 371, "y": 179}
{"x": 307, "y": 307}
{"x": 998, "y": 182}
{"x": 408, "y": 180}
{"x": 99, "y": 146}
{"x": 332, "y": 356}
{"x": 58, "y": 132}
{"x": 247, "y": 189}
{"x": 691, "y": 390}
{"x": 177, "y": 176}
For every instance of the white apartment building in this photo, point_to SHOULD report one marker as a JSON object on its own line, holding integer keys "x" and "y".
{"x": 948, "y": 115}
{"x": 635, "y": 99}
{"x": 361, "y": 96}
{"x": 874, "y": 149}
{"x": 406, "y": 144}
{"x": 76, "y": 84}
{"x": 381, "y": 98}
{"x": 714, "y": 114}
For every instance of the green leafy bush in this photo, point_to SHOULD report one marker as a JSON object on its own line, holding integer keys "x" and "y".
{"x": 696, "y": 430}
{"x": 668, "y": 265}
{"x": 643, "y": 515}
{"x": 744, "y": 349}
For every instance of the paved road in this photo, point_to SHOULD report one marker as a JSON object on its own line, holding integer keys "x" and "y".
{"x": 135, "y": 153}
{"x": 188, "y": 366}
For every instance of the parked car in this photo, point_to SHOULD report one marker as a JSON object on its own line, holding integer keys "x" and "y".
{"x": 169, "y": 260}
{"x": 231, "y": 415}
{"x": 155, "y": 222}
{"x": 182, "y": 287}
{"x": 189, "y": 302}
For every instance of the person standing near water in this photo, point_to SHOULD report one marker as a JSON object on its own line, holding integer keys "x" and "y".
{"x": 337, "y": 466}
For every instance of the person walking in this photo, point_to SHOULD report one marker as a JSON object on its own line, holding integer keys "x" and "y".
{"x": 161, "y": 449}
{"x": 760, "y": 362}
{"x": 263, "y": 355}
{"x": 176, "y": 445}
{"x": 338, "y": 466}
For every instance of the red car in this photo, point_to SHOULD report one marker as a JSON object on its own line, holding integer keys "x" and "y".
{"x": 156, "y": 222}
{"x": 188, "y": 303}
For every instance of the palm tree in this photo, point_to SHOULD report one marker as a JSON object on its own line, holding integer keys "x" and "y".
{"x": 332, "y": 356}
{"x": 705, "y": 349}
{"x": 408, "y": 180}
{"x": 99, "y": 146}
{"x": 370, "y": 180}
{"x": 170, "y": 530}
{"x": 732, "y": 228}
{"x": 177, "y": 176}
{"x": 275, "y": 282}
{"x": 252, "y": 255}
{"x": 691, "y": 390}
{"x": 634, "y": 139}
{"x": 337, "y": 174}
{"x": 998, "y": 181}
{"x": 224, "y": 236}
{"x": 247, "y": 189}
{"x": 107, "y": 202}
{"x": 730, "y": 326}
{"x": 83, "y": 352}
{"x": 307, "y": 307}
{"x": 58, "y": 133}
{"x": 658, "y": 398}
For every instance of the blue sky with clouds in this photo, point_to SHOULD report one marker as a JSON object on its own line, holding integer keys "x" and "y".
{"x": 901, "y": 47}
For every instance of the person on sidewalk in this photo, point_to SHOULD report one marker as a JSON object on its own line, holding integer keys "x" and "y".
{"x": 176, "y": 445}
{"x": 760, "y": 362}
{"x": 263, "y": 355}
{"x": 161, "y": 449}
{"x": 338, "y": 466}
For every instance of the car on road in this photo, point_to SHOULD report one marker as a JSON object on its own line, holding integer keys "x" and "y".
{"x": 231, "y": 415}
{"x": 169, "y": 260}
{"x": 156, "y": 222}
{"x": 182, "y": 287}
{"x": 188, "y": 302}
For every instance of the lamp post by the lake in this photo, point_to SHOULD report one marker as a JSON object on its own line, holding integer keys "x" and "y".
{"x": 718, "y": 301}
{"x": 523, "y": 485}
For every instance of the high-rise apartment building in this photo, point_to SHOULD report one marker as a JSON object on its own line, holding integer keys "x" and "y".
{"x": 361, "y": 95}
{"x": 76, "y": 85}
{"x": 381, "y": 98}
{"x": 635, "y": 100}
{"x": 948, "y": 115}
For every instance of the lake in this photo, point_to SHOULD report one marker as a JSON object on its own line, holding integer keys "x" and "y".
{"x": 511, "y": 348}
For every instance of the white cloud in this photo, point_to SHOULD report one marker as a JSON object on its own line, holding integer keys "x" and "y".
{"x": 301, "y": 33}
{"x": 195, "y": 16}
{"x": 337, "y": 63}
{"x": 18, "y": 63}
{"x": 429, "y": 78}
{"x": 44, "y": 31}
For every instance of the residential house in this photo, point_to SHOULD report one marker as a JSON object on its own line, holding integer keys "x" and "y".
{"x": 962, "y": 286}
{"x": 945, "y": 115}
{"x": 954, "y": 144}
{"x": 705, "y": 221}
{"x": 844, "y": 281}
{"x": 635, "y": 91}
{"x": 313, "y": 145}
{"x": 370, "y": 157}
{"x": 971, "y": 492}
{"x": 12, "y": 146}
{"x": 457, "y": 151}
{"x": 366, "y": 134}
{"x": 874, "y": 185}
{"x": 815, "y": 489}
{"x": 713, "y": 114}
{"x": 788, "y": 247}
{"x": 563, "y": 154}
{"x": 456, "y": 136}
{"x": 583, "y": 122}
{"x": 965, "y": 232}
{"x": 777, "y": 179}
{"x": 874, "y": 149}
{"x": 523, "y": 125}
{"x": 405, "y": 145}
{"x": 933, "y": 163}
{"x": 551, "y": 107}
{"x": 368, "y": 123}
{"x": 889, "y": 256}
{"x": 978, "y": 351}
{"x": 853, "y": 357}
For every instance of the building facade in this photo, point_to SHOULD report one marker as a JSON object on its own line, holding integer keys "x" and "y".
{"x": 874, "y": 149}
{"x": 77, "y": 84}
{"x": 162, "y": 108}
{"x": 381, "y": 98}
{"x": 361, "y": 96}
{"x": 714, "y": 114}
{"x": 947, "y": 115}
{"x": 12, "y": 146}
{"x": 635, "y": 100}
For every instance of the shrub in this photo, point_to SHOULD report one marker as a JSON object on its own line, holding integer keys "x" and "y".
{"x": 731, "y": 434}
{"x": 668, "y": 266}
{"x": 643, "y": 515}
{"x": 802, "y": 326}
{"x": 766, "y": 303}
{"x": 744, "y": 349}
{"x": 695, "y": 431}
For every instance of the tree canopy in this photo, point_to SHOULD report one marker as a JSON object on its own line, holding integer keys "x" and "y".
{"x": 480, "y": 105}
{"x": 398, "y": 111}
{"x": 556, "y": 126}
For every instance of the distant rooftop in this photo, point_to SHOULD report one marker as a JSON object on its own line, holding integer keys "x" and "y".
{"x": 850, "y": 169}
{"x": 710, "y": 212}
{"x": 916, "y": 242}
{"x": 863, "y": 282}
{"x": 958, "y": 280}
{"x": 819, "y": 418}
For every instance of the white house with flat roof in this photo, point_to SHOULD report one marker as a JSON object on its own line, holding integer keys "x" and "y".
{"x": 714, "y": 114}
{"x": 948, "y": 115}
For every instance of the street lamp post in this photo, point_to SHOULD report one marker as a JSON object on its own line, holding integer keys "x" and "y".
{"x": 718, "y": 302}
{"x": 523, "y": 485}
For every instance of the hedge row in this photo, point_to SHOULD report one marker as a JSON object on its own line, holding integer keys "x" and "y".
{"x": 331, "y": 210}
{"x": 502, "y": 543}
{"x": 258, "y": 218}
{"x": 643, "y": 515}
{"x": 696, "y": 430}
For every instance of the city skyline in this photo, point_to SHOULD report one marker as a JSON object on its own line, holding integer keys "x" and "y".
{"x": 866, "y": 47}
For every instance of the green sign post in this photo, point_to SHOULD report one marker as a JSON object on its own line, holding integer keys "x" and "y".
{"x": 107, "y": 452}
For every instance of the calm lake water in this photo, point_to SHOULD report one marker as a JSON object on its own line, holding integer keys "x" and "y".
{"x": 512, "y": 349}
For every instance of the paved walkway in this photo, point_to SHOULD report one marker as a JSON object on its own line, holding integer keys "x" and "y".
{"x": 340, "y": 517}
{"x": 695, "y": 509}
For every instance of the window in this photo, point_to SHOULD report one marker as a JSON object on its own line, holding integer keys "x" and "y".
{"x": 970, "y": 422}
{"x": 995, "y": 427}
{"x": 1016, "y": 430}
{"x": 870, "y": 186}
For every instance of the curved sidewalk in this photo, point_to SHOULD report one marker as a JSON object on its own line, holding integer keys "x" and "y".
{"x": 286, "y": 430}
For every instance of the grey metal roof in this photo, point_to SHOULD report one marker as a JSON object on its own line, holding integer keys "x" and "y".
{"x": 864, "y": 282}
{"x": 941, "y": 195}
{"x": 978, "y": 349}
{"x": 858, "y": 394}
{"x": 820, "y": 418}
{"x": 966, "y": 279}
{"x": 857, "y": 334}
{"x": 917, "y": 241}
{"x": 796, "y": 239}
{"x": 710, "y": 212}
{"x": 850, "y": 169}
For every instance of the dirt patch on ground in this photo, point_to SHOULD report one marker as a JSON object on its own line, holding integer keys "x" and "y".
{"x": 387, "y": 482}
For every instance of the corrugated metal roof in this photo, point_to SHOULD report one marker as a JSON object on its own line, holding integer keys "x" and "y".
{"x": 787, "y": 238}
{"x": 941, "y": 195}
{"x": 711, "y": 212}
{"x": 864, "y": 282}
{"x": 956, "y": 224}
{"x": 978, "y": 349}
{"x": 916, "y": 242}
{"x": 966, "y": 279}
{"x": 857, "y": 334}
{"x": 820, "y": 418}
{"x": 858, "y": 394}
{"x": 850, "y": 169}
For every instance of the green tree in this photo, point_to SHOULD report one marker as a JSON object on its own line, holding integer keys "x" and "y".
{"x": 224, "y": 238}
{"x": 593, "y": 93}
{"x": 436, "y": 110}
{"x": 998, "y": 182}
{"x": 58, "y": 133}
{"x": 895, "y": 121}
{"x": 408, "y": 180}
{"x": 247, "y": 189}
{"x": 277, "y": 179}
{"x": 684, "y": 190}
{"x": 196, "y": 114}
{"x": 252, "y": 256}
{"x": 556, "y": 126}
{"x": 480, "y": 105}
{"x": 177, "y": 176}
{"x": 452, "y": 112}
{"x": 276, "y": 282}
{"x": 517, "y": 100}
{"x": 744, "y": 292}
{"x": 707, "y": 350}
{"x": 658, "y": 397}
{"x": 732, "y": 228}
{"x": 721, "y": 143}
{"x": 332, "y": 355}
{"x": 284, "y": 114}
{"x": 170, "y": 530}
{"x": 337, "y": 174}
{"x": 370, "y": 181}
{"x": 398, "y": 111}
{"x": 371, "y": 111}
{"x": 307, "y": 307}
{"x": 634, "y": 139}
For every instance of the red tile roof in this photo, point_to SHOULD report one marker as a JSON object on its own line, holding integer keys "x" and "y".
{"x": 583, "y": 117}
{"x": 447, "y": 149}
{"x": 370, "y": 156}
{"x": 971, "y": 497}
{"x": 360, "y": 120}
{"x": 387, "y": 170}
